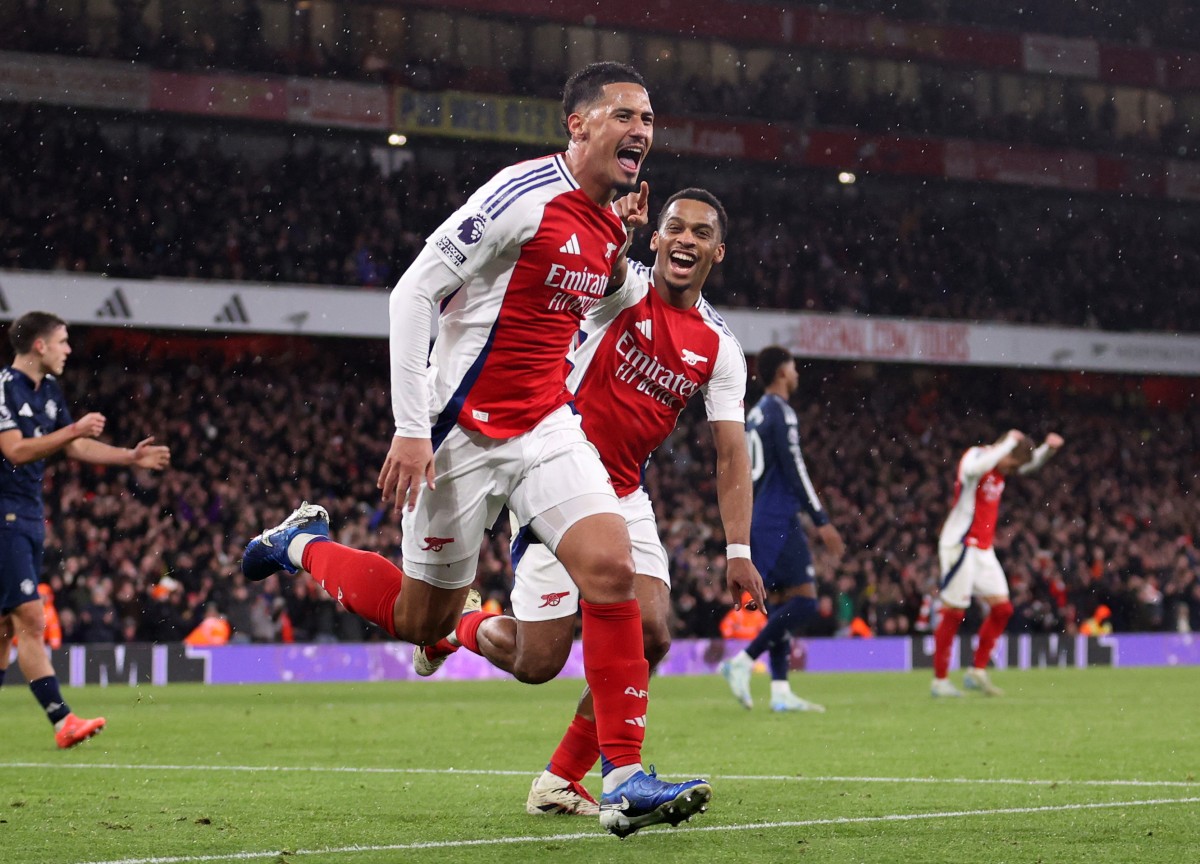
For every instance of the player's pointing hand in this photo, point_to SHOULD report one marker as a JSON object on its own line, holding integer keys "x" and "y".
{"x": 634, "y": 208}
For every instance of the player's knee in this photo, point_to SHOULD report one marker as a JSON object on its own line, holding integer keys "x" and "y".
{"x": 536, "y": 669}
{"x": 605, "y": 576}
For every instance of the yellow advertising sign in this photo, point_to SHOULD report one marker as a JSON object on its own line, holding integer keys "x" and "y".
{"x": 478, "y": 115}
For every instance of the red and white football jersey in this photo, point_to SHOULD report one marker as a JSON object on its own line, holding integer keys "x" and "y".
{"x": 534, "y": 253}
{"x": 977, "y": 490}
{"x": 639, "y": 361}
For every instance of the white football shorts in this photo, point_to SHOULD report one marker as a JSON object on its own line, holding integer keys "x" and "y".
{"x": 542, "y": 470}
{"x": 544, "y": 591}
{"x": 970, "y": 571}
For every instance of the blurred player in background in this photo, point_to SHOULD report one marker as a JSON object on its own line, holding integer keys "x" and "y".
{"x": 487, "y": 417}
{"x": 969, "y": 564}
{"x": 35, "y": 423}
{"x": 645, "y": 350}
{"x": 778, "y": 541}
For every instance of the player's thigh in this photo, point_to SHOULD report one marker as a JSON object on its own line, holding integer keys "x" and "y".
{"x": 542, "y": 588}
{"x": 443, "y": 533}
{"x": 792, "y": 567}
{"x": 563, "y": 481}
{"x": 20, "y": 567}
{"x": 959, "y": 564}
{"x": 989, "y": 575}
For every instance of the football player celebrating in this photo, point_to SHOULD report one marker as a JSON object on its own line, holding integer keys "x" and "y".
{"x": 485, "y": 421}
{"x": 969, "y": 563}
{"x": 645, "y": 351}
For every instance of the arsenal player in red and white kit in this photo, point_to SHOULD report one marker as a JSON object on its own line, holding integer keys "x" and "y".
{"x": 969, "y": 564}
{"x": 485, "y": 422}
{"x": 644, "y": 352}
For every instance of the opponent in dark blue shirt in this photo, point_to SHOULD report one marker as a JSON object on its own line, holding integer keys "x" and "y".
{"x": 778, "y": 543}
{"x": 35, "y": 423}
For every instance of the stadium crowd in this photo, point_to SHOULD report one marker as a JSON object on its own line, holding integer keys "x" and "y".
{"x": 1109, "y": 523}
{"x": 943, "y": 105}
{"x": 151, "y": 206}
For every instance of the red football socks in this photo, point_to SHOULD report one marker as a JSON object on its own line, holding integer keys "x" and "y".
{"x": 618, "y": 675}
{"x": 577, "y": 752}
{"x": 943, "y": 639}
{"x": 365, "y": 583}
{"x": 467, "y": 629}
{"x": 996, "y": 621}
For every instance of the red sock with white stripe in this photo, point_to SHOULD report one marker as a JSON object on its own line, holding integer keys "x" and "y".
{"x": 365, "y": 583}
{"x": 996, "y": 621}
{"x": 577, "y": 752}
{"x": 615, "y": 666}
{"x": 943, "y": 639}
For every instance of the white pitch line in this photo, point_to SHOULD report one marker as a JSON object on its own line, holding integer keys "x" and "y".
{"x": 759, "y": 826}
{"x": 483, "y": 772}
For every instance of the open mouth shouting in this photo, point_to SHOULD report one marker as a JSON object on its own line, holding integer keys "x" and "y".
{"x": 682, "y": 263}
{"x": 630, "y": 156}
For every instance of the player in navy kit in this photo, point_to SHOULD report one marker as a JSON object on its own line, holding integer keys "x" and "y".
{"x": 35, "y": 423}
{"x": 778, "y": 542}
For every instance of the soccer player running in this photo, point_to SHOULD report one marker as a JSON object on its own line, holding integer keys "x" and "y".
{"x": 645, "y": 351}
{"x": 485, "y": 421}
{"x": 970, "y": 567}
{"x": 35, "y": 423}
{"x": 778, "y": 541}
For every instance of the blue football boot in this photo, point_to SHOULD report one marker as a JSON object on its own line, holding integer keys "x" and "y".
{"x": 268, "y": 552}
{"x": 644, "y": 800}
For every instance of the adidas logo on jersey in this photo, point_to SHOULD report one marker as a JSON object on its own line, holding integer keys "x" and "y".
{"x": 571, "y": 247}
{"x": 26, "y": 411}
{"x": 645, "y": 329}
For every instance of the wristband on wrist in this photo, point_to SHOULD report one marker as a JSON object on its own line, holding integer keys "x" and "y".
{"x": 737, "y": 550}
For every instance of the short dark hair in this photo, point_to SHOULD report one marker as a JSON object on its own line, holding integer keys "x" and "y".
{"x": 704, "y": 196}
{"x": 770, "y": 359}
{"x": 587, "y": 85}
{"x": 31, "y": 327}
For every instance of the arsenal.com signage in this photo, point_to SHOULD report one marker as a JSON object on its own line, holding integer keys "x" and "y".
{"x": 241, "y": 307}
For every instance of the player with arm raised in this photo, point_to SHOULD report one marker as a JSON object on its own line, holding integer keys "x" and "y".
{"x": 485, "y": 421}
{"x": 778, "y": 543}
{"x": 645, "y": 351}
{"x": 35, "y": 423}
{"x": 969, "y": 564}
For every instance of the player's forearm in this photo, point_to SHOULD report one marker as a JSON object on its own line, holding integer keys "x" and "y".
{"x": 26, "y": 450}
{"x": 410, "y": 317}
{"x": 1041, "y": 455}
{"x": 735, "y": 497}
{"x": 98, "y": 453}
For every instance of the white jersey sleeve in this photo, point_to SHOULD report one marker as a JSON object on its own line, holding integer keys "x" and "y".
{"x": 725, "y": 392}
{"x": 485, "y": 227}
{"x": 637, "y": 283}
{"x": 410, "y": 322}
{"x": 977, "y": 461}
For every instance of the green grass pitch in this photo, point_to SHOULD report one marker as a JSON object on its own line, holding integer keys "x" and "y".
{"x": 1096, "y": 765}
